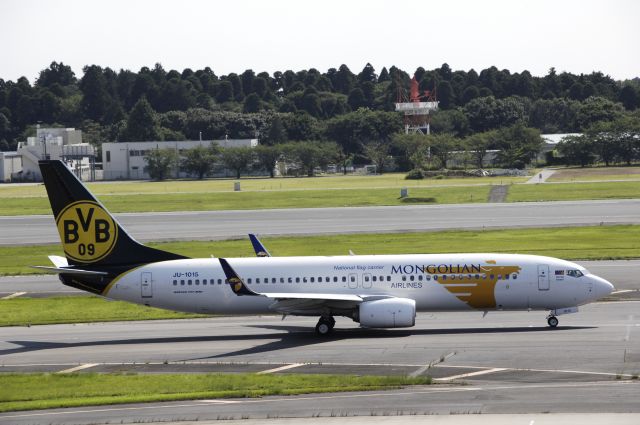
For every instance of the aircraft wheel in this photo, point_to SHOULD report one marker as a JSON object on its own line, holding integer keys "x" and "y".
{"x": 552, "y": 321}
{"x": 325, "y": 326}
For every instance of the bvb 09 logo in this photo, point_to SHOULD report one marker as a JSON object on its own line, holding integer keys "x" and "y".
{"x": 87, "y": 231}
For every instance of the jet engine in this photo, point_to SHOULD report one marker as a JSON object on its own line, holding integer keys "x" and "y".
{"x": 387, "y": 313}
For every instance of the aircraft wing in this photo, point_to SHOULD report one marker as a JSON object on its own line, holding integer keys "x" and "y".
{"x": 297, "y": 302}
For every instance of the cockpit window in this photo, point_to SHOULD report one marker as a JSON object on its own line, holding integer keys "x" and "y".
{"x": 574, "y": 273}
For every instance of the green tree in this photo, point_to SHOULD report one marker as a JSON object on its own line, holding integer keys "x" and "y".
{"x": 310, "y": 154}
{"x": 442, "y": 145}
{"x": 629, "y": 97}
{"x": 478, "y": 144}
{"x": 160, "y": 162}
{"x": 237, "y": 159}
{"x": 96, "y": 98}
{"x": 415, "y": 148}
{"x": 378, "y": 153}
{"x": 251, "y": 103}
{"x": 276, "y": 133}
{"x": 224, "y": 91}
{"x": 267, "y": 156}
{"x": 199, "y": 161}
{"x": 577, "y": 150}
{"x": 518, "y": 145}
{"x": 142, "y": 125}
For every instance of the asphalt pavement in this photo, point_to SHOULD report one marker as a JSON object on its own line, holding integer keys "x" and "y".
{"x": 212, "y": 225}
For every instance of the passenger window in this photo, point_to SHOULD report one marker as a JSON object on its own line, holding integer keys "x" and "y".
{"x": 353, "y": 278}
{"x": 444, "y": 277}
{"x": 388, "y": 278}
{"x": 515, "y": 276}
{"x": 175, "y": 282}
{"x": 249, "y": 280}
{"x": 219, "y": 281}
{"x": 304, "y": 280}
{"x": 273, "y": 280}
{"x": 374, "y": 278}
{"x": 453, "y": 277}
{"x": 197, "y": 281}
{"x": 257, "y": 280}
{"x": 420, "y": 277}
{"x": 335, "y": 278}
{"x": 435, "y": 277}
{"x": 344, "y": 278}
{"x": 297, "y": 280}
{"x": 290, "y": 280}
{"x": 182, "y": 282}
{"x": 491, "y": 276}
{"x": 404, "y": 278}
{"x": 411, "y": 278}
{"x": 506, "y": 276}
{"x": 428, "y": 277}
{"x": 189, "y": 282}
{"x": 312, "y": 280}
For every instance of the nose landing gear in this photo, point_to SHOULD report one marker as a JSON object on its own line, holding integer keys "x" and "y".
{"x": 325, "y": 325}
{"x": 552, "y": 321}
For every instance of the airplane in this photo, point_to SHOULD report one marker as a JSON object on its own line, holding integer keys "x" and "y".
{"x": 376, "y": 291}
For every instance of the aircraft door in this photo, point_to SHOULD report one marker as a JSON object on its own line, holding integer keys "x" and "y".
{"x": 366, "y": 281}
{"x": 353, "y": 280}
{"x": 145, "y": 285}
{"x": 543, "y": 277}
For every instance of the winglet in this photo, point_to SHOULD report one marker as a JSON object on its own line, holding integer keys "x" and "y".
{"x": 260, "y": 250}
{"x": 235, "y": 282}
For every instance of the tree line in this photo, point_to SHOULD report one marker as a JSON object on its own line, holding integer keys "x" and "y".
{"x": 302, "y": 158}
{"x": 355, "y": 111}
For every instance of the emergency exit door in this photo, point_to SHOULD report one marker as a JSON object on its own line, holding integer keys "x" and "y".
{"x": 543, "y": 277}
{"x": 145, "y": 285}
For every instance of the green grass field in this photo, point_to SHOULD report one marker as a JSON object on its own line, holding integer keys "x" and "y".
{"x": 45, "y": 391}
{"x": 47, "y": 311}
{"x": 597, "y": 242}
{"x": 573, "y": 191}
{"x": 260, "y": 200}
{"x": 392, "y": 180}
{"x": 335, "y": 191}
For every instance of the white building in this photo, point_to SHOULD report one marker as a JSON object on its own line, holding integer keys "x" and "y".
{"x": 126, "y": 160}
{"x": 55, "y": 143}
{"x": 10, "y": 166}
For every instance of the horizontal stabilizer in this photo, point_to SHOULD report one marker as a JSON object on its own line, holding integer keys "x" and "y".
{"x": 69, "y": 271}
{"x": 58, "y": 261}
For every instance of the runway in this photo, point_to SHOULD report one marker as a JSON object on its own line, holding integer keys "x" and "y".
{"x": 622, "y": 273}
{"x": 211, "y": 225}
{"x": 510, "y": 361}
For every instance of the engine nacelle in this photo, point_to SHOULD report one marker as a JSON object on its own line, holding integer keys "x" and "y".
{"x": 388, "y": 313}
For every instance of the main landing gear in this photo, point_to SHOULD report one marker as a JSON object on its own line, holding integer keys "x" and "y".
{"x": 325, "y": 325}
{"x": 552, "y": 321}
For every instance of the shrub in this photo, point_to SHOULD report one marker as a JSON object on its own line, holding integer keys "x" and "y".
{"x": 415, "y": 174}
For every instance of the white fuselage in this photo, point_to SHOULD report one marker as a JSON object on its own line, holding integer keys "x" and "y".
{"x": 440, "y": 282}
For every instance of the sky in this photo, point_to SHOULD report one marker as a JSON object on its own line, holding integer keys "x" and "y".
{"x": 578, "y": 36}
